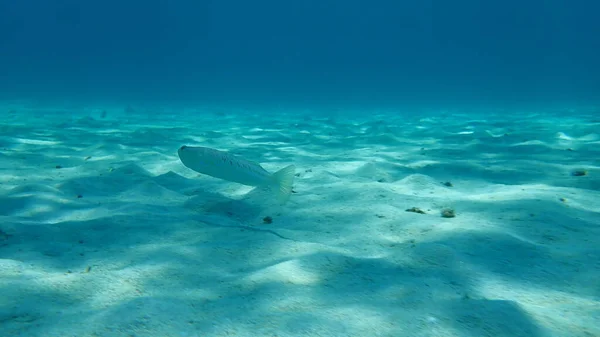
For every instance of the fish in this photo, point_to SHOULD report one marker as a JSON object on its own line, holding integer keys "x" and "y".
{"x": 227, "y": 166}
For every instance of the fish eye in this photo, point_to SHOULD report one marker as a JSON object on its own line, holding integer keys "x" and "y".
{"x": 183, "y": 147}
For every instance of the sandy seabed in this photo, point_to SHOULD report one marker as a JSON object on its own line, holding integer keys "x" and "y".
{"x": 103, "y": 232}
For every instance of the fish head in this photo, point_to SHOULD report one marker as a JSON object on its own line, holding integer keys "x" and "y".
{"x": 196, "y": 155}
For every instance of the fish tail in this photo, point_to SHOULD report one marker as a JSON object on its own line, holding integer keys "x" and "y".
{"x": 282, "y": 182}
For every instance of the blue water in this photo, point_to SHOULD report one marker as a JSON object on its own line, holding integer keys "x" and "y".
{"x": 430, "y": 53}
{"x": 447, "y": 162}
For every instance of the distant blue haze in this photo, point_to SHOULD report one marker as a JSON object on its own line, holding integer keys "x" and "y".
{"x": 435, "y": 53}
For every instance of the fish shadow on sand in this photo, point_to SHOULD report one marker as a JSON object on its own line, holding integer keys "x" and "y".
{"x": 248, "y": 207}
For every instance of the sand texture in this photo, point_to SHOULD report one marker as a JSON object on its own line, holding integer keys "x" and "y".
{"x": 103, "y": 232}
